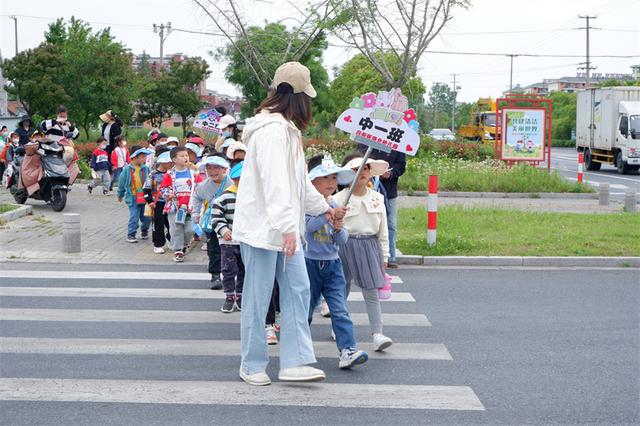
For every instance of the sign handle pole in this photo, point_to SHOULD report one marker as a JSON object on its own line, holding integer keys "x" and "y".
{"x": 366, "y": 156}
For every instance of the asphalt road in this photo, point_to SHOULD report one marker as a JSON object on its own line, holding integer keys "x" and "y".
{"x": 502, "y": 346}
{"x": 565, "y": 160}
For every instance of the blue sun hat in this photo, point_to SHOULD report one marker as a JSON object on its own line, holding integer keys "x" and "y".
{"x": 141, "y": 151}
{"x": 194, "y": 148}
{"x": 236, "y": 170}
{"x": 227, "y": 144}
{"x": 213, "y": 160}
{"x": 328, "y": 167}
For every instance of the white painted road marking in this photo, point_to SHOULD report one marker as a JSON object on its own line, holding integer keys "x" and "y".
{"x": 167, "y": 293}
{"x": 339, "y": 395}
{"x": 160, "y": 316}
{"x": 125, "y": 275}
{"x": 36, "y": 345}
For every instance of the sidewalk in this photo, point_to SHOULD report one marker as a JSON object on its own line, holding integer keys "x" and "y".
{"x": 38, "y": 238}
{"x": 568, "y": 205}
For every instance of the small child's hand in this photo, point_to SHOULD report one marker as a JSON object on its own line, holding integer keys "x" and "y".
{"x": 227, "y": 236}
{"x": 340, "y": 212}
{"x": 119, "y": 199}
{"x": 338, "y": 224}
{"x": 152, "y": 205}
{"x": 196, "y": 218}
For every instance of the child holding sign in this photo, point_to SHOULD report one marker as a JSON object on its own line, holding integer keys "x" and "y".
{"x": 365, "y": 254}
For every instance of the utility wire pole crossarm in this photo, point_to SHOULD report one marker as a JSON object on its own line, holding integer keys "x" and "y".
{"x": 160, "y": 30}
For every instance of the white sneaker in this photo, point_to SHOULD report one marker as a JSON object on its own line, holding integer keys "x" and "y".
{"x": 158, "y": 250}
{"x": 272, "y": 338}
{"x": 302, "y": 373}
{"x": 381, "y": 342}
{"x": 256, "y": 379}
{"x": 351, "y": 357}
{"x": 203, "y": 247}
{"x": 333, "y": 335}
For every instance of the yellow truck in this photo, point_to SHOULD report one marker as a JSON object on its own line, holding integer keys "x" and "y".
{"x": 483, "y": 122}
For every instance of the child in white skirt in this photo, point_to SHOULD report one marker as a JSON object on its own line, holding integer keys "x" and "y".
{"x": 364, "y": 256}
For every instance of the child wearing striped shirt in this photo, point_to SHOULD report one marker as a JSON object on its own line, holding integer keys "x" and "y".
{"x": 222, "y": 221}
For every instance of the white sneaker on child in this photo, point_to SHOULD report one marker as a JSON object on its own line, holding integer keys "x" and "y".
{"x": 381, "y": 342}
{"x": 158, "y": 250}
{"x": 272, "y": 338}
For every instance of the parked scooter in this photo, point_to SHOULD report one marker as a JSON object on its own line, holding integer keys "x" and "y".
{"x": 40, "y": 172}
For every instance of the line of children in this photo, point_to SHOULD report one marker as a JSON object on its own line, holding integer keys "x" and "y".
{"x": 222, "y": 223}
{"x": 100, "y": 167}
{"x": 130, "y": 190}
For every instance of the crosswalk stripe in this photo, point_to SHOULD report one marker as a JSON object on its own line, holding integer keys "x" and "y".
{"x": 161, "y": 316}
{"x": 169, "y": 293}
{"x": 339, "y": 395}
{"x": 31, "y": 345}
{"x": 121, "y": 275}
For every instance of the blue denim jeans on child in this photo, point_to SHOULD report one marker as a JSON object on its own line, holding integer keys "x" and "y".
{"x": 261, "y": 266}
{"x": 327, "y": 278}
{"x": 136, "y": 214}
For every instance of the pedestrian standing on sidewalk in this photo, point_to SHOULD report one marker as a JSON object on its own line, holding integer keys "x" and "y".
{"x": 273, "y": 196}
{"x": 324, "y": 267}
{"x": 202, "y": 204}
{"x": 130, "y": 190}
{"x": 154, "y": 198}
{"x": 100, "y": 167}
{"x": 222, "y": 222}
{"x": 364, "y": 256}
{"x": 119, "y": 158}
{"x": 177, "y": 188}
{"x": 111, "y": 128}
{"x": 389, "y": 180}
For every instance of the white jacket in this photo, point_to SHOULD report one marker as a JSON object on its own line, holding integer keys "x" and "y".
{"x": 272, "y": 197}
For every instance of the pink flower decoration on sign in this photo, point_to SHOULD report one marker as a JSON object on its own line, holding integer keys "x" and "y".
{"x": 409, "y": 115}
{"x": 369, "y": 100}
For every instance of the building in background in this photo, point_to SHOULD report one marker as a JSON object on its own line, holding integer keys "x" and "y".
{"x": 579, "y": 82}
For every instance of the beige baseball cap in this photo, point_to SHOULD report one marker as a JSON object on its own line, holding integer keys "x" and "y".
{"x": 296, "y": 75}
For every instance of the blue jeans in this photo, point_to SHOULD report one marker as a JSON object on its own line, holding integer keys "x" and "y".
{"x": 327, "y": 278}
{"x": 116, "y": 175}
{"x": 392, "y": 224}
{"x": 136, "y": 213}
{"x": 261, "y": 267}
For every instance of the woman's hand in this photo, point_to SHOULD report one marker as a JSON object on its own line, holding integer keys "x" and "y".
{"x": 289, "y": 243}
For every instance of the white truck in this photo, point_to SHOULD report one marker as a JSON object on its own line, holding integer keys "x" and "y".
{"x": 608, "y": 127}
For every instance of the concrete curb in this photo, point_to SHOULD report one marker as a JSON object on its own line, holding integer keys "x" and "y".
{"x": 551, "y": 261}
{"x": 534, "y": 195}
{"x": 21, "y": 211}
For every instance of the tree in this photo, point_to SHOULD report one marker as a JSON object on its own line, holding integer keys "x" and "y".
{"x": 154, "y": 103}
{"x": 564, "y": 114}
{"x": 185, "y": 76}
{"x": 439, "y": 105}
{"x": 243, "y": 44}
{"x": 96, "y": 72}
{"x": 35, "y": 77}
{"x": 357, "y": 76}
{"x": 268, "y": 44}
{"x": 402, "y": 28}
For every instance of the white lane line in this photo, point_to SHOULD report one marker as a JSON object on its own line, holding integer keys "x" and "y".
{"x": 167, "y": 293}
{"x": 160, "y": 316}
{"x": 590, "y": 182}
{"x": 339, "y": 395}
{"x": 31, "y": 345}
{"x": 124, "y": 275}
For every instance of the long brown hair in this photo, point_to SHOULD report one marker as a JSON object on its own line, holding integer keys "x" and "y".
{"x": 294, "y": 107}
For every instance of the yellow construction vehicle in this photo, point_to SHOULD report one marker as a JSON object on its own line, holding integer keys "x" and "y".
{"x": 483, "y": 122}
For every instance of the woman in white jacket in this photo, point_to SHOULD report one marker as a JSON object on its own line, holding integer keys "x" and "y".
{"x": 273, "y": 196}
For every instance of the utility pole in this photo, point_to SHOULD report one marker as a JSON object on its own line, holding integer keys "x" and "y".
{"x": 511, "y": 72}
{"x": 453, "y": 107}
{"x": 588, "y": 62}
{"x": 15, "y": 28}
{"x": 160, "y": 30}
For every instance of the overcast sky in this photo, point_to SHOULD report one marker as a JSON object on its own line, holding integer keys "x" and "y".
{"x": 502, "y": 26}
